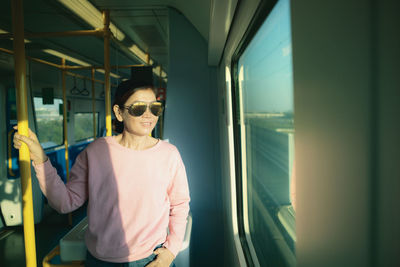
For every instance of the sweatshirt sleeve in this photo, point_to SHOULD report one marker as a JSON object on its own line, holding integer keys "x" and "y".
{"x": 64, "y": 197}
{"x": 178, "y": 192}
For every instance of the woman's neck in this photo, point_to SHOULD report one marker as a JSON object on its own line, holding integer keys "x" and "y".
{"x": 135, "y": 142}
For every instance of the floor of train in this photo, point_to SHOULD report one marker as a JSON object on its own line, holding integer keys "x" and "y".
{"x": 47, "y": 234}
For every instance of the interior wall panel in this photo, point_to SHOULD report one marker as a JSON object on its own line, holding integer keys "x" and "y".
{"x": 191, "y": 117}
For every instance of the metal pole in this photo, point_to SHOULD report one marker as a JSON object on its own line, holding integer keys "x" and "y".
{"x": 148, "y": 63}
{"x": 64, "y": 34}
{"x": 55, "y": 34}
{"x": 22, "y": 114}
{"x": 70, "y": 67}
{"x": 64, "y": 91}
{"x": 81, "y": 76}
{"x": 160, "y": 77}
{"x": 107, "y": 33}
{"x": 162, "y": 116}
{"x": 102, "y": 67}
{"x": 93, "y": 104}
{"x": 31, "y": 58}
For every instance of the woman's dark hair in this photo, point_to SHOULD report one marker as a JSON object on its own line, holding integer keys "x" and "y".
{"x": 122, "y": 94}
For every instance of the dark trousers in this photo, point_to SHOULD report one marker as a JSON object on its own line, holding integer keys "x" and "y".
{"x": 91, "y": 261}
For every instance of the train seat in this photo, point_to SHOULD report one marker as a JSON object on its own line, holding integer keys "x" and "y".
{"x": 73, "y": 248}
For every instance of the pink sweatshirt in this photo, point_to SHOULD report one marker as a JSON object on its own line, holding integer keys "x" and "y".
{"x": 133, "y": 197}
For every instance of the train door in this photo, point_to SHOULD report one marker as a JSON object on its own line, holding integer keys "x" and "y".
{"x": 10, "y": 182}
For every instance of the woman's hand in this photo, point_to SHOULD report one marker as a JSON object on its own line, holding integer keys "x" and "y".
{"x": 36, "y": 151}
{"x": 164, "y": 258}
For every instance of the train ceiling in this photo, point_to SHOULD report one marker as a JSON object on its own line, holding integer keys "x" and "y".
{"x": 144, "y": 23}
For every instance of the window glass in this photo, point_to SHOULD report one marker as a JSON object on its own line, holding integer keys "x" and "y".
{"x": 49, "y": 122}
{"x": 267, "y": 139}
{"x": 83, "y": 125}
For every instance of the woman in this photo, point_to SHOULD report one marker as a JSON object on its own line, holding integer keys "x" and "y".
{"x": 136, "y": 186}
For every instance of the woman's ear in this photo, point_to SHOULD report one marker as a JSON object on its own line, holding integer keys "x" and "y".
{"x": 117, "y": 113}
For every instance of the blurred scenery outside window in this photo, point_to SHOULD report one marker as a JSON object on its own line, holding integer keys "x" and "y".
{"x": 49, "y": 122}
{"x": 83, "y": 125}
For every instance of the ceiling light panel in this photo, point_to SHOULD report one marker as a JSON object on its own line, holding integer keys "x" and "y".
{"x": 89, "y": 13}
{"x": 139, "y": 53}
{"x": 69, "y": 58}
{"x": 3, "y": 31}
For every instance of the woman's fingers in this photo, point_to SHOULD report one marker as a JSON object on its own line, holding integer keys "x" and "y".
{"x": 17, "y": 145}
{"x": 36, "y": 151}
{"x": 28, "y": 141}
{"x": 30, "y": 132}
{"x": 31, "y": 139}
{"x": 164, "y": 258}
{"x": 151, "y": 264}
{"x": 32, "y": 135}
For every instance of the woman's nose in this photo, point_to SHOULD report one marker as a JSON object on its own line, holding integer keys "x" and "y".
{"x": 147, "y": 112}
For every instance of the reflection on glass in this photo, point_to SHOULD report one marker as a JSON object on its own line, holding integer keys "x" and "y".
{"x": 49, "y": 122}
{"x": 267, "y": 137}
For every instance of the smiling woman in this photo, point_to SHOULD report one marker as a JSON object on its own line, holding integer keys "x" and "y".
{"x": 273, "y": 104}
{"x": 135, "y": 105}
{"x": 127, "y": 214}
{"x": 137, "y": 122}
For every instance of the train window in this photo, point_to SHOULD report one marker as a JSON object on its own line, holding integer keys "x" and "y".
{"x": 266, "y": 136}
{"x": 83, "y": 125}
{"x": 49, "y": 122}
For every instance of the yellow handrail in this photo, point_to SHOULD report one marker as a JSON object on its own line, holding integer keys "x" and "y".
{"x": 22, "y": 107}
{"x": 55, "y": 34}
{"x": 10, "y": 171}
{"x": 161, "y": 123}
{"x": 22, "y": 116}
{"x": 54, "y": 252}
{"x": 66, "y": 66}
{"x": 107, "y": 33}
{"x": 65, "y": 127}
{"x": 94, "y": 104}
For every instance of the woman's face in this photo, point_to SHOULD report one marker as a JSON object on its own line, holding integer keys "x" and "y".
{"x": 144, "y": 124}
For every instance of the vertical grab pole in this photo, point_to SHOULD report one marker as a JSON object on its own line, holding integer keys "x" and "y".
{"x": 93, "y": 105}
{"x": 159, "y": 77}
{"x": 22, "y": 114}
{"x": 106, "y": 30}
{"x": 162, "y": 117}
{"x": 148, "y": 63}
{"x": 64, "y": 92}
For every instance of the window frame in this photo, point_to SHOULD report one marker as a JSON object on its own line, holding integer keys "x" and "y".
{"x": 263, "y": 11}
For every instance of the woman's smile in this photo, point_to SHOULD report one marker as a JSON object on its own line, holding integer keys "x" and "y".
{"x": 146, "y": 124}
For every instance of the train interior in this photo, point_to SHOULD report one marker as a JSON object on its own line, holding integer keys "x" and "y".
{"x": 284, "y": 112}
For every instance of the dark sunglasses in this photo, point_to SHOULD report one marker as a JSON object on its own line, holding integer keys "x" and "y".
{"x": 139, "y": 108}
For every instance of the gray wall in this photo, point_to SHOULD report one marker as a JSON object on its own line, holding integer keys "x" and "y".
{"x": 346, "y": 84}
{"x": 386, "y": 184}
{"x": 191, "y": 124}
